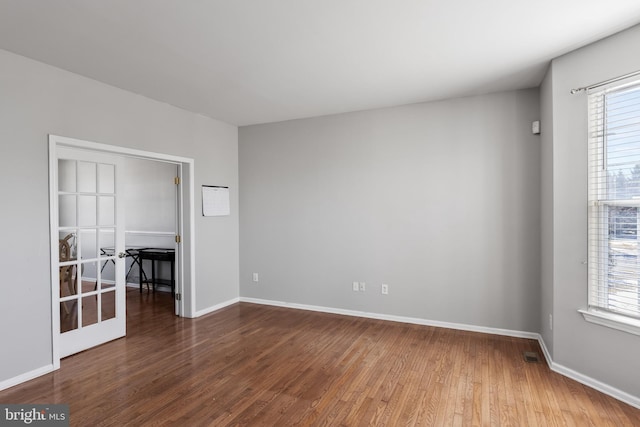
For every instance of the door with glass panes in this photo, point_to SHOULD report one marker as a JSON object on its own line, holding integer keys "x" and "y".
{"x": 91, "y": 249}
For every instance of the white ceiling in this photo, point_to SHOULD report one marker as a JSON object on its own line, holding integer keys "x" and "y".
{"x": 257, "y": 61}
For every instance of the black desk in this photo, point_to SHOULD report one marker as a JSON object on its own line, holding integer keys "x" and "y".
{"x": 131, "y": 251}
{"x": 158, "y": 254}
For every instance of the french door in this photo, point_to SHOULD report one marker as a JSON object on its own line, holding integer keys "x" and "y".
{"x": 91, "y": 265}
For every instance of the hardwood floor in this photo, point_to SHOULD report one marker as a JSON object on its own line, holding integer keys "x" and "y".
{"x": 255, "y": 365}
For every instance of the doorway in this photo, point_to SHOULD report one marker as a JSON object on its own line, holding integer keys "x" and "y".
{"x": 152, "y": 224}
{"x": 103, "y": 233}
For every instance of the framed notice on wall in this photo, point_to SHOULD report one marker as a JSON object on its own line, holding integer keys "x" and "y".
{"x": 215, "y": 200}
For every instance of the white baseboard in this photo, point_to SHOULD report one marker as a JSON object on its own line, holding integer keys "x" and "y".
{"x": 588, "y": 381}
{"x": 26, "y": 376}
{"x": 545, "y": 350}
{"x": 215, "y": 307}
{"x": 393, "y": 318}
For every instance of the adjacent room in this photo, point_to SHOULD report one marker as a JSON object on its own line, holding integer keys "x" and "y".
{"x": 86, "y": 241}
{"x": 312, "y": 213}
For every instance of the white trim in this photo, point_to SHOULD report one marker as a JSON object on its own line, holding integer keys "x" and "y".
{"x": 56, "y": 141}
{"x": 612, "y": 320}
{"x": 545, "y": 350}
{"x": 27, "y": 376}
{"x": 393, "y": 318}
{"x": 54, "y": 255}
{"x": 216, "y": 307}
{"x": 179, "y": 270}
{"x": 597, "y": 385}
{"x": 588, "y": 381}
{"x": 191, "y": 312}
{"x": 140, "y": 232}
{"x": 151, "y": 233}
{"x": 116, "y": 149}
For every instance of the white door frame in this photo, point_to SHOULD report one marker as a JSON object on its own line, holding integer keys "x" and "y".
{"x": 185, "y": 262}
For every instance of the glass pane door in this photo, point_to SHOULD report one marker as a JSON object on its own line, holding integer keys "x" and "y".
{"x": 91, "y": 235}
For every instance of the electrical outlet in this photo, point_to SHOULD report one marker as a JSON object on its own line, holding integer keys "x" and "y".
{"x": 363, "y": 286}
{"x": 356, "y": 286}
{"x": 385, "y": 289}
{"x": 255, "y": 277}
{"x": 551, "y": 322}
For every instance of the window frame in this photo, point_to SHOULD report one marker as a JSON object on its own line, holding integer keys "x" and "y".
{"x": 598, "y": 215}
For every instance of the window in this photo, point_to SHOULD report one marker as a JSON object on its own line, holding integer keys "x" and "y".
{"x": 614, "y": 203}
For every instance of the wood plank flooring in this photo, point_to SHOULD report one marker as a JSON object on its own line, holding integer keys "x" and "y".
{"x": 254, "y": 365}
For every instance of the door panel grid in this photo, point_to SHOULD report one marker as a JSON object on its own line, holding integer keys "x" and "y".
{"x": 88, "y": 219}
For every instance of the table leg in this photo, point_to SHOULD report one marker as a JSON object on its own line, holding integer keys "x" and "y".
{"x": 129, "y": 270}
{"x": 153, "y": 275}
{"x": 135, "y": 257}
{"x": 105, "y": 264}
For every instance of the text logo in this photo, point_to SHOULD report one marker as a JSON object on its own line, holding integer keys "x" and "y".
{"x": 34, "y": 415}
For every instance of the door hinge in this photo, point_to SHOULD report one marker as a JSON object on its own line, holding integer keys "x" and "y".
{"x": 176, "y": 180}
{"x": 178, "y": 238}
{"x": 178, "y": 297}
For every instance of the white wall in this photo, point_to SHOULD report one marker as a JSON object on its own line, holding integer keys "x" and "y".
{"x": 37, "y": 100}
{"x": 603, "y": 354}
{"x": 438, "y": 200}
{"x": 150, "y": 195}
{"x": 150, "y": 210}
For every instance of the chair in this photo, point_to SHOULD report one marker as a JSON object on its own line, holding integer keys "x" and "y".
{"x": 67, "y": 272}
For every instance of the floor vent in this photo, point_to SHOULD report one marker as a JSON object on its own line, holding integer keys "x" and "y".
{"x": 531, "y": 357}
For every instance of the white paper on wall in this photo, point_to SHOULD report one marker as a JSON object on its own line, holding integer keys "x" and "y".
{"x": 215, "y": 200}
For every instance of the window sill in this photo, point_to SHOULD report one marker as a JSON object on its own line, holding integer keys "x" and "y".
{"x": 610, "y": 320}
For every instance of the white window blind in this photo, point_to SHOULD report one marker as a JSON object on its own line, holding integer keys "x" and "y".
{"x": 614, "y": 199}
